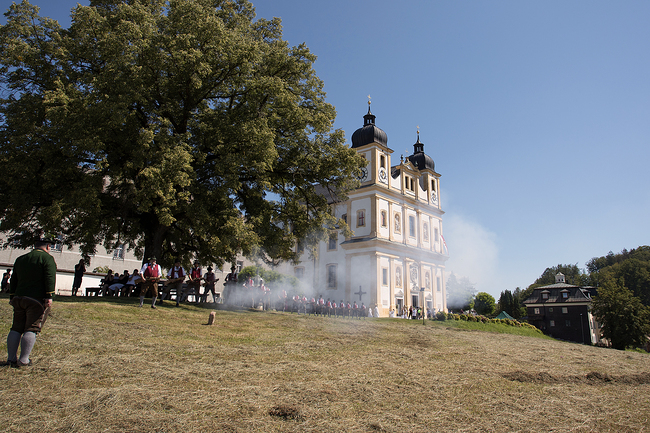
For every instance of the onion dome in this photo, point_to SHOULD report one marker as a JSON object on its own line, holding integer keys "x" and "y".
{"x": 420, "y": 159}
{"x": 369, "y": 133}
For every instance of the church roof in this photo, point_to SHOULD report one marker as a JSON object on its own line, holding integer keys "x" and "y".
{"x": 420, "y": 159}
{"x": 369, "y": 133}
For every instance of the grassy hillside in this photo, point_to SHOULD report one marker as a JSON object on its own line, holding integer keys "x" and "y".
{"x": 106, "y": 365}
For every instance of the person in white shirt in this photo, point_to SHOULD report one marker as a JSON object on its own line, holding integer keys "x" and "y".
{"x": 151, "y": 273}
{"x": 175, "y": 277}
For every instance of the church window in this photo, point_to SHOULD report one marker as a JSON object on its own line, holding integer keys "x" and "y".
{"x": 433, "y": 185}
{"x": 398, "y": 276}
{"x": 331, "y": 276}
{"x": 552, "y": 323}
{"x": 299, "y": 272}
{"x": 331, "y": 244}
{"x": 435, "y": 235}
{"x": 300, "y": 248}
{"x": 398, "y": 223}
{"x": 564, "y": 310}
{"x": 361, "y": 218}
{"x": 412, "y": 226}
{"x": 344, "y": 217}
{"x": 384, "y": 276}
{"x": 536, "y": 310}
{"x": 425, "y": 232}
{"x": 58, "y": 246}
{"x": 118, "y": 253}
{"x": 384, "y": 219}
{"x": 382, "y": 161}
{"x": 438, "y": 286}
{"x": 409, "y": 183}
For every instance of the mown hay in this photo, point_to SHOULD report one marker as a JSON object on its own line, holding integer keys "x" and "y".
{"x": 106, "y": 365}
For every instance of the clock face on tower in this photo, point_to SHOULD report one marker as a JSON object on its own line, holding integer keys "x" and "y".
{"x": 364, "y": 174}
{"x": 383, "y": 177}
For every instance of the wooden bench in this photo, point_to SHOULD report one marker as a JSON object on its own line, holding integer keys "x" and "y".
{"x": 95, "y": 290}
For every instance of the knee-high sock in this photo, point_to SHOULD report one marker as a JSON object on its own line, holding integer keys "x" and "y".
{"x": 26, "y": 345}
{"x": 153, "y": 303}
{"x": 13, "y": 341}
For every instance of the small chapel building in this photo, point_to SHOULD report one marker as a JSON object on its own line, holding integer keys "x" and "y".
{"x": 396, "y": 257}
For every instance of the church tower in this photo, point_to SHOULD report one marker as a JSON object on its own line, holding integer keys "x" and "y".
{"x": 396, "y": 256}
{"x": 372, "y": 143}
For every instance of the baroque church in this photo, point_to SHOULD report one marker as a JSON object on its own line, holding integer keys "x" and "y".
{"x": 396, "y": 257}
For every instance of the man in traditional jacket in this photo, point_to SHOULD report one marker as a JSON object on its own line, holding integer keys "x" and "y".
{"x": 31, "y": 289}
{"x": 151, "y": 273}
{"x": 175, "y": 277}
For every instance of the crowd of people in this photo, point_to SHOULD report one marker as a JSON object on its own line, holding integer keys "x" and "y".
{"x": 32, "y": 285}
{"x": 149, "y": 281}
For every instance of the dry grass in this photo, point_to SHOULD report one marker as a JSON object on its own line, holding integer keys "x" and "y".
{"x": 107, "y": 366}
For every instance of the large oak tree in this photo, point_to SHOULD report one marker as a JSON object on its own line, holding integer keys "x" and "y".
{"x": 175, "y": 127}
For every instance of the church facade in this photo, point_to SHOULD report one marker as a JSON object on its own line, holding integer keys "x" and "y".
{"x": 396, "y": 257}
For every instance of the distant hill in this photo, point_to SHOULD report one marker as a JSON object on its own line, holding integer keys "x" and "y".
{"x": 631, "y": 268}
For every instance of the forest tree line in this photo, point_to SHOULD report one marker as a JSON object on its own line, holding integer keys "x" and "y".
{"x": 622, "y": 304}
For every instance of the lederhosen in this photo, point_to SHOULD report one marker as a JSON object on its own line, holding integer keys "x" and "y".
{"x": 150, "y": 272}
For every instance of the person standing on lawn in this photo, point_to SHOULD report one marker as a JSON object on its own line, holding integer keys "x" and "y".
{"x": 79, "y": 270}
{"x": 30, "y": 293}
{"x": 150, "y": 273}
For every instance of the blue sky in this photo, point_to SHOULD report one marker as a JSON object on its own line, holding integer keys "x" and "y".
{"x": 537, "y": 115}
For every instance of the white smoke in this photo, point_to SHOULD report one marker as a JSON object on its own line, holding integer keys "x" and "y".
{"x": 473, "y": 253}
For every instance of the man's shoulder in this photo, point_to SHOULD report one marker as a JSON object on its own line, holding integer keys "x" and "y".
{"x": 35, "y": 255}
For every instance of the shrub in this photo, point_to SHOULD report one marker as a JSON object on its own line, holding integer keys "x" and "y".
{"x": 441, "y": 315}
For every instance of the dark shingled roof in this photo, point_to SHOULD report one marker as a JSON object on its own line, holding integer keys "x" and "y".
{"x": 369, "y": 133}
{"x": 420, "y": 159}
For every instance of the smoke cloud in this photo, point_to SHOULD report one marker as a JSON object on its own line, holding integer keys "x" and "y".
{"x": 473, "y": 253}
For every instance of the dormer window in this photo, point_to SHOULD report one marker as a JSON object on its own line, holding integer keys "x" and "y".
{"x": 409, "y": 183}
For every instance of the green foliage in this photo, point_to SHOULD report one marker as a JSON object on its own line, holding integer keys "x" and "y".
{"x": 633, "y": 274}
{"x": 179, "y": 129}
{"x": 272, "y": 279}
{"x": 441, "y": 315}
{"x": 598, "y": 263}
{"x": 102, "y": 269}
{"x": 572, "y": 274}
{"x": 625, "y": 320}
{"x": 470, "y": 318}
{"x": 484, "y": 303}
{"x": 511, "y": 303}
